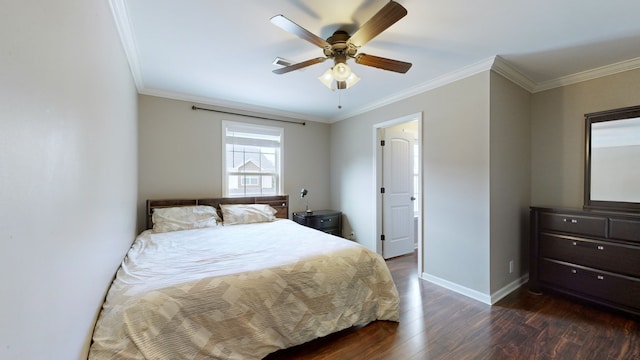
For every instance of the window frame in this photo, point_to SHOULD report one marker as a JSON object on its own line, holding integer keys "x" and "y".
{"x": 278, "y": 175}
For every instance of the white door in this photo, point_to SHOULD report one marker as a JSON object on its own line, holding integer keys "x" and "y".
{"x": 397, "y": 199}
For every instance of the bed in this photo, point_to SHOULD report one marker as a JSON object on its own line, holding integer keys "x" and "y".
{"x": 240, "y": 289}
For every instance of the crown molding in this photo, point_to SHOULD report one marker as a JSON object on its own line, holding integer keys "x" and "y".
{"x": 123, "y": 24}
{"x": 495, "y": 63}
{"x": 504, "y": 68}
{"x": 507, "y": 70}
{"x": 239, "y": 108}
{"x": 602, "y": 71}
{"x": 435, "y": 83}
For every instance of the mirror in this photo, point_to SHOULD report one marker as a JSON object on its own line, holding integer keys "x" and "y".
{"x": 612, "y": 160}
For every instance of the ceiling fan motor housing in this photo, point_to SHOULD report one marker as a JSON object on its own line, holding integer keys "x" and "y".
{"x": 340, "y": 46}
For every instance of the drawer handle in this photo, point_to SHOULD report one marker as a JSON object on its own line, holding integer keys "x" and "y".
{"x": 600, "y": 277}
{"x": 599, "y": 247}
{"x": 574, "y": 271}
{"x": 573, "y": 221}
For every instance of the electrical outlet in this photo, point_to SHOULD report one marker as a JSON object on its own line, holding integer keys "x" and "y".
{"x": 510, "y": 266}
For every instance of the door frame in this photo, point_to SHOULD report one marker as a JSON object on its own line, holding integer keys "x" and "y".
{"x": 377, "y": 171}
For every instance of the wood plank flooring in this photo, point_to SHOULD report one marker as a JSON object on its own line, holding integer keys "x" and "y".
{"x": 436, "y": 323}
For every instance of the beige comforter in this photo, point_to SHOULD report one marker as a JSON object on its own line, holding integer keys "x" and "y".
{"x": 239, "y": 292}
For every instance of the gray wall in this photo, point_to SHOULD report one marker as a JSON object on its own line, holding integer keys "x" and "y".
{"x": 456, "y": 197}
{"x": 455, "y": 183}
{"x": 476, "y": 180}
{"x": 68, "y": 173}
{"x": 557, "y": 134}
{"x": 180, "y": 154}
{"x": 510, "y": 144}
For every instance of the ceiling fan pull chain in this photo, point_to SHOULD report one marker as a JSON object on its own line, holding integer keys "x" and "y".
{"x": 339, "y": 99}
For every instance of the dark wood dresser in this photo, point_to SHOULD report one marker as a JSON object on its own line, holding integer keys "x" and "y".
{"x": 329, "y": 221}
{"x": 587, "y": 254}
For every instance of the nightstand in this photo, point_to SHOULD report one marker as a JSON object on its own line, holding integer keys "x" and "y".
{"x": 329, "y": 221}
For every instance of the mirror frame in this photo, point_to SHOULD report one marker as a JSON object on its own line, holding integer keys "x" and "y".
{"x": 608, "y": 115}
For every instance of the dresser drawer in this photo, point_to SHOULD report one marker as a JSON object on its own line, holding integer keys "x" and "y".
{"x": 325, "y": 222}
{"x": 594, "y": 284}
{"x": 623, "y": 229}
{"x": 601, "y": 255}
{"x": 576, "y": 224}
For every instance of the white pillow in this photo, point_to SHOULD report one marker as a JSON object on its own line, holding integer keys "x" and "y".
{"x": 184, "y": 218}
{"x": 247, "y": 213}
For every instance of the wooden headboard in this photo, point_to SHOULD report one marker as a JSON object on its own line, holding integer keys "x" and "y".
{"x": 279, "y": 202}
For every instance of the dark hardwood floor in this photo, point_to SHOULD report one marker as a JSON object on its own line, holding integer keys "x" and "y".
{"x": 436, "y": 323}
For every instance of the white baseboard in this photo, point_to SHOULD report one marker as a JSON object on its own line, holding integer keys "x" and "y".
{"x": 509, "y": 288}
{"x": 474, "y": 294}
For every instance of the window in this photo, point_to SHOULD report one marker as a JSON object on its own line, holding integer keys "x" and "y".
{"x": 252, "y": 162}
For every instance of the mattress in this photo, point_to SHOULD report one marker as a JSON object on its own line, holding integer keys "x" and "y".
{"x": 239, "y": 292}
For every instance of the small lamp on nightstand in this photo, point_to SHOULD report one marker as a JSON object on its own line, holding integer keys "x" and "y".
{"x": 303, "y": 193}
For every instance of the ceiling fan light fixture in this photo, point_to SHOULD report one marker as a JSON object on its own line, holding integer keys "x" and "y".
{"x": 352, "y": 80}
{"x": 327, "y": 78}
{"x": 341, "y": 71}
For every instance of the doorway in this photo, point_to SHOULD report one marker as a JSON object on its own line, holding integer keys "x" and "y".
{"x": 402, "y": 139}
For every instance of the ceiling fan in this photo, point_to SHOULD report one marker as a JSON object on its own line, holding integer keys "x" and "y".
{"x": 341, "y": 46}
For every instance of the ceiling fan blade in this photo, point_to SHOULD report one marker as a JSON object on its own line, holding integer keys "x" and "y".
{"x": 300, "y": 65}
{"x": 297, "y": 30}
{"x": 383, "y": 63}
{"x": 387, "y": 16}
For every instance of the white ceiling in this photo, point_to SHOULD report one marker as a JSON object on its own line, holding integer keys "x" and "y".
{"x": 220, "y": 52}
